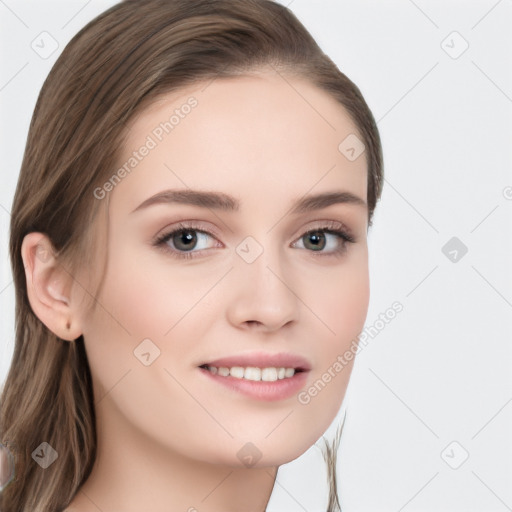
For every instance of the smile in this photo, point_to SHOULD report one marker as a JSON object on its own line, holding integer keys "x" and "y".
{"x": 269, "y": 374}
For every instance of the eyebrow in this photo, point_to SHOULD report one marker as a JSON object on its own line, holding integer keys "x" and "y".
{"x": 224, "y": 202}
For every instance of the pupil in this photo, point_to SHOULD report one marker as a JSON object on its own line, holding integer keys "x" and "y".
{"x": 188, "y": 237}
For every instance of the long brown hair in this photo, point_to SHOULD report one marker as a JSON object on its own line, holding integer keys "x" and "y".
{"x": 129, "y": 55}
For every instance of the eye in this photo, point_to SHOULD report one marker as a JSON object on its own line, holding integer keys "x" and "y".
{"x": 184, "y": 241}
{"x": 326, "y": 240}
{"x": 187, "y": 240}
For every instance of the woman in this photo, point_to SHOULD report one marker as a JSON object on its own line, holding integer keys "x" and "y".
{"x": 188, "y": 243}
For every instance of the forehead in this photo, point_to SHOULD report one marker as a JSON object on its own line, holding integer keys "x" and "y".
{"x": 267, "y": 133}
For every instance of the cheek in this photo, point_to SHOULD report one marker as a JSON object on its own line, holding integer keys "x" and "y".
{"x": 341, "y": 301}
{"x": 145, "y": 298}
{"x": 339, "y": 298}
{"x": 346, "y": 305}
{"x": 149, "y": 295}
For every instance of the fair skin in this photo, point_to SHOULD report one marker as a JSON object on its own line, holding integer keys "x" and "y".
{"x": 168, "y": 436}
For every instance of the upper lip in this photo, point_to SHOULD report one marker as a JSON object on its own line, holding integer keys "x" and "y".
{"x": 262, "y": 360}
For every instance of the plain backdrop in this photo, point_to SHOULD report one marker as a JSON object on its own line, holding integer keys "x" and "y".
{"x": 429, "y": 405}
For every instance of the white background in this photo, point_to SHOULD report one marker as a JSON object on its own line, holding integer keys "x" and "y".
{"x": 441, "y": 370}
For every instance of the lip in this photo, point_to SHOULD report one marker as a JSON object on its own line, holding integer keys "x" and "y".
{"x": 262, "y": 360}
{"x": 261, "y": 390}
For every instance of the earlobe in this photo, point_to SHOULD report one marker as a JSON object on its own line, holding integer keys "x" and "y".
{"x": 49, "y": 287}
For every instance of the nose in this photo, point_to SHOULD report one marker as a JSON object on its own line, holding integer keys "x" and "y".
{"x": 262, "y": 295}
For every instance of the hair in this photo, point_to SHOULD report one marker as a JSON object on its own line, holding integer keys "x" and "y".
{"x": 130, "y": 55}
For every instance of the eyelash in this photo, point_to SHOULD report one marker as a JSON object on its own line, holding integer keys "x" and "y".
{"x": 329, "y": 227}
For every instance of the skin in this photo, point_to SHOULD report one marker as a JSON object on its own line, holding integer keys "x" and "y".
{"x": 168, "y": 437}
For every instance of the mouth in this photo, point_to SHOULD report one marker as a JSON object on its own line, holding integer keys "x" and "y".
{"x": 254, "y": 373}
{"x": 260, "y": 376}
{"x": 258, "y": 366}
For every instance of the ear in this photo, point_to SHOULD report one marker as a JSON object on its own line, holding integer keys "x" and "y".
{"x": 49, "y": 287}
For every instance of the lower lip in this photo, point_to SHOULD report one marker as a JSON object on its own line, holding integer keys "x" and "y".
{"x": 262, "y": 390}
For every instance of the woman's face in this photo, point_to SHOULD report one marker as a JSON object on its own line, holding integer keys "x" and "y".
{"x": 262, "y": 269}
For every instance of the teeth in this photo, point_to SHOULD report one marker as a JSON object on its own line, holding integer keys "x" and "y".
{"x": 252, "y": 373}
{"x": 270, "y": 374}
{"x": 237, "y": 371}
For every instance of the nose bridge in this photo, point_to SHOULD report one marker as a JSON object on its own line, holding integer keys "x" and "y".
{"x": 261, "y": 290}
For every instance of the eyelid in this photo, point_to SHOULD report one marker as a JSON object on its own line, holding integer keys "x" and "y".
{"x": 187, "y": 225}
{"x": 328, "y": 224}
